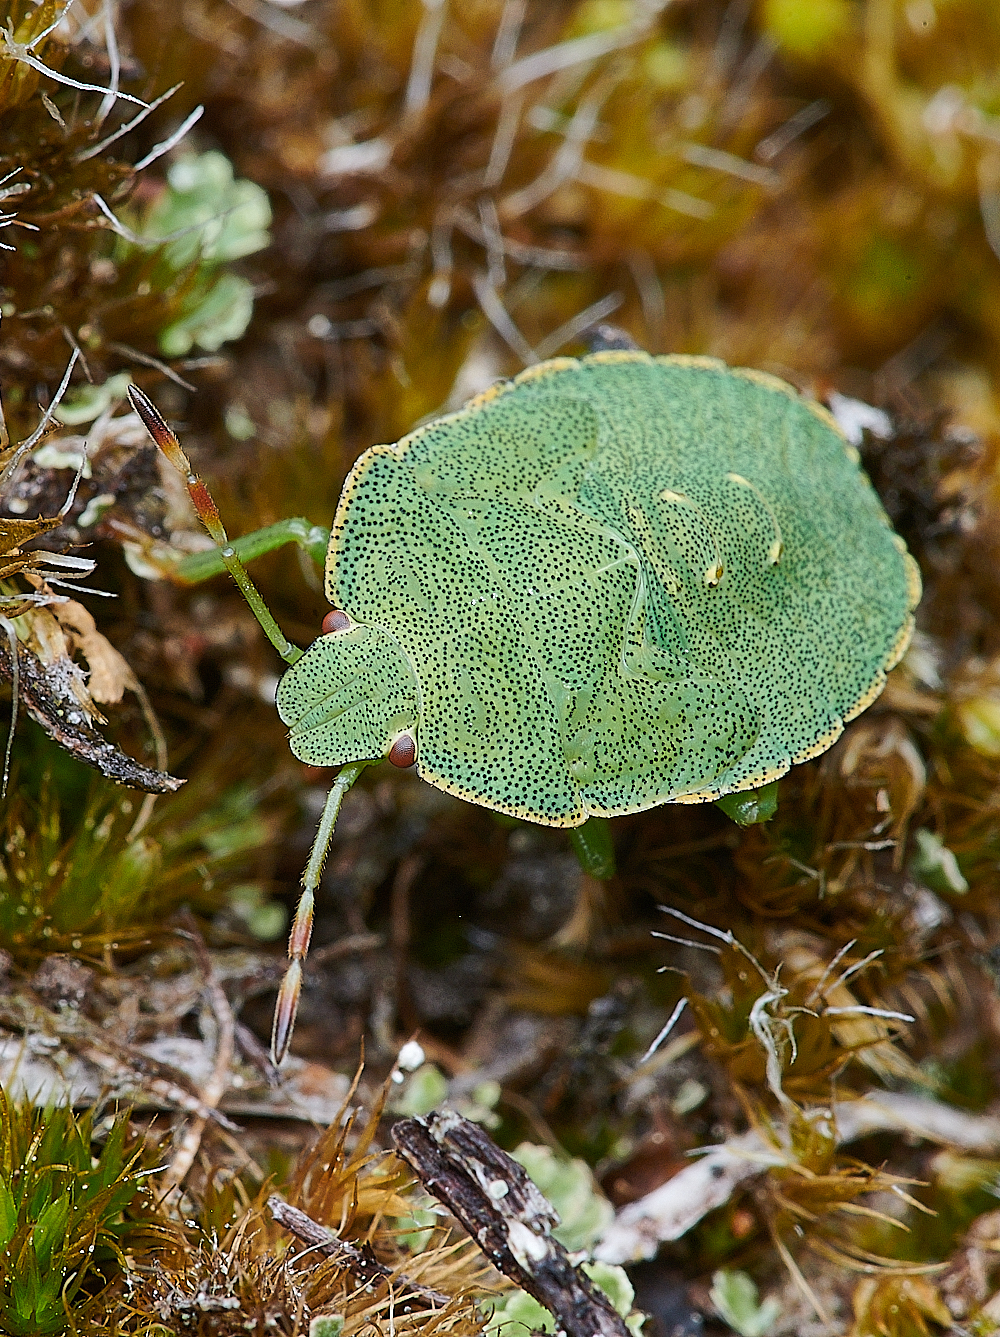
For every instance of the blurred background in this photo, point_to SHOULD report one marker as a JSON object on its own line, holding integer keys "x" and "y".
{"x": 306, "y": 227}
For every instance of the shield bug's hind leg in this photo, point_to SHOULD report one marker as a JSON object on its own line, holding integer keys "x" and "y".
{"x": 594, "y": 847}
{"x": 298, "y": 940}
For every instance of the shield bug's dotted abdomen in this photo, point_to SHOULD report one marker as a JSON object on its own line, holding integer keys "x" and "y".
{"x": 608, "y": 584}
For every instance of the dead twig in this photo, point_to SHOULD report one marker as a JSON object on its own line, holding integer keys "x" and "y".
{"x": 63, "y": 720}
{"x": 218, "y": 1082}
{"x": 503, "y": 1211}
{"x": 361, "y": 1262}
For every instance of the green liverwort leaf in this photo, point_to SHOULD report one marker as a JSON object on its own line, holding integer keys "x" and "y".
{"x": 614, "y": 1282}
{"x": 228, "y": 218}
{"x": 424, "y": 1090}
{"x": 90, "y": 401}
{"x": 735, "y": 1297}
{"x": 221, "y": 315}
{"x": 516, "y": 1313}
{"x": 569, "y": 1185}
{"x": 935, "y": 865}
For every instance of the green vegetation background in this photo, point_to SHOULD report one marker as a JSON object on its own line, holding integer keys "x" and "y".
{"x": 380, "y": 206}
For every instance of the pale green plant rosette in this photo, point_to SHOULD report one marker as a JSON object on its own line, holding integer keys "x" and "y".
{"x": 585, "y": 1213}
{"x": 213, "y": 218}
{"x": 735, "y": 1296}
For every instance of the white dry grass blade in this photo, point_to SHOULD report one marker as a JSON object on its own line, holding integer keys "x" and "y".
{"x": 565, "y": 162}
{"x": 727, "y": 937}
{"x": 114, "y": 60}
{"x": 441, "y": 258}
{"x": 564, "y": 55}
{"x": 672, "y": 1209}
{"x": 29, "y": 442}
{"x": 508, "y": 34}
{"x": 835, "y": 961}
{"x": 272, "y": 16}
{"x": 862, "y": 1009}
{"x": 425, "y": 45}
{"x": 583, "y": 320}
{"x": 158, "y": 150}
{"x": 718, "y": 160}
{"x": 672, "y": 1021}
{"x": 626, "y": 184}
{"x": 95, "y": 149}
{"x": 21, "y": 52}
{"x": 508, "y": 120}
{"x": 778, "y": 140}
{"x": 538, "y": 257}
{"x": 499, "y": 317}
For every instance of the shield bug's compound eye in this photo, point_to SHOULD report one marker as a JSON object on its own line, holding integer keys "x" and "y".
{"x": 403, "y": 752}
{"x": 335, "y": 620}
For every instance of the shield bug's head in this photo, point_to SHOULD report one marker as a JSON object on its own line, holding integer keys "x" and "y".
{"x": 351, "y": 697}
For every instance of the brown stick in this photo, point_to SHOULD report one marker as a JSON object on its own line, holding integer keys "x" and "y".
{"x": 503, "y": 1211}
{"x": 62, "y": 719}
{"x": 217, "y": 1084}
{"x": 362, "y": 1262}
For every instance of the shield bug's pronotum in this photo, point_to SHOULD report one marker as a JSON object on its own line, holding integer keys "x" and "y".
{"x": 607, "y": 584}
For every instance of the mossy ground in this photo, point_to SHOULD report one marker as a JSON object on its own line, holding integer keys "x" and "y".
{"x": 813, "y": 189}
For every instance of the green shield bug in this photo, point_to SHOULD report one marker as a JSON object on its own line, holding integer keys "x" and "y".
{"x": 607, "y": 584}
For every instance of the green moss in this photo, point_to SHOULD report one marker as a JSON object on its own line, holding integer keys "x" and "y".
{"x": 69, "y": 1212}
{"x": 73, "y": 875}
{"x": 807, "y": 29}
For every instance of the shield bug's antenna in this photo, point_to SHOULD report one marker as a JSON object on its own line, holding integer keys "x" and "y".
{"x": 208, "y": 514}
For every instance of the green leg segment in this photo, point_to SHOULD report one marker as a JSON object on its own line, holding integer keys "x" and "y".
{"x": 752, "y": 806}
{"x": 594, "y": 847}
{"x": 298, "y": 940}
{"x": 312, "y": 539}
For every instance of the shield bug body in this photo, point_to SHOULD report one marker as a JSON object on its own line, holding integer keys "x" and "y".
{"x": 605, "y": 585}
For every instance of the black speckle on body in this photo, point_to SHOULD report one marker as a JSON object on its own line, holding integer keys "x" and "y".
{"x": 606, "y": 585}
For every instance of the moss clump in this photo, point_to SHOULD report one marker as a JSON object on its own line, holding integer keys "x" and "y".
{"x": 70, "y": 1211}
